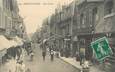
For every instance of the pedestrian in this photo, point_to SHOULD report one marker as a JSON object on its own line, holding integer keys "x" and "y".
{"x": 77, "y": 56}
{"x": 18, "y": 52}
{"x": 31, "y": 55}
{"x": 43, "y": 54}
{"x": 10, "y": 65}
{"x": 20, "y": 67}
{"x": 57, "y": 54}
{"x": 82, "y": 58}
{"x": 52, "y": 55}
{"x": 44, "y": 49}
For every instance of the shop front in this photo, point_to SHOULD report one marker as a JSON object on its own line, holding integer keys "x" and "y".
{"x": 84, "y": 42}
{"x": 75, "y": 46}
{"x": 67, "y": 46}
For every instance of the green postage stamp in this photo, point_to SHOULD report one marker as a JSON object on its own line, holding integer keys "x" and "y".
{"x": 101, "y": 48}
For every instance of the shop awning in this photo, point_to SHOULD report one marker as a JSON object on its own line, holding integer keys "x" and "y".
{"x": 18, "y": 40}
{"x": 4, "y": 43}
{"x": 13, "y": 43}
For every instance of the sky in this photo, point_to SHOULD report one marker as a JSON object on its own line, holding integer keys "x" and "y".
{"x": 35, "y": 11}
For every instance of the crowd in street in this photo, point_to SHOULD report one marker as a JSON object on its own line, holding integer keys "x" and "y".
{"x": 46, "y": 48}
{"x": 50, "y": 48}
{"x": 13, "y": 60}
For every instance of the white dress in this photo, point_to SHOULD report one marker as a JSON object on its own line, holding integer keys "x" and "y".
{"x": 20, "y": 67}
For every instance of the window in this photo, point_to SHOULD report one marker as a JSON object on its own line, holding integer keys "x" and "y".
{"x": 6, "y": 21}
{"x": 95, "y": 11}
{"x": 108, "y": 7}
{"x": 82, "y": 19}
{"x": 95, "y": 15}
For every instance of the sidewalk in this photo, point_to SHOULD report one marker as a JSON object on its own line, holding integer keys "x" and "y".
{"x": 76, "y": 64}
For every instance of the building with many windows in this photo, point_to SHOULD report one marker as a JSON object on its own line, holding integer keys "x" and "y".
{"x": 73, "y": 27}
{"x": 11, "y": 24}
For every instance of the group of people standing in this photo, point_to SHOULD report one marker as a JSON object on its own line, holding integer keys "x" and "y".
{"x": 46, "y": 47}
{"x": 51, "y": 53}
{"x": 13, "y": 60}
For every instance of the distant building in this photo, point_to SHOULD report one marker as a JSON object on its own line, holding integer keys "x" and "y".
{"x": 45, "y": 32}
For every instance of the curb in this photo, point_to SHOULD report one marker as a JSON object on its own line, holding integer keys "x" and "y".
{"x": 70, "y": 64}
{"x": 75, "y": 66}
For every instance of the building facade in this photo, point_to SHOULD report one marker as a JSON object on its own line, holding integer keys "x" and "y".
{"x": 106, "y": 27}
{"x": 10, "y": 20}
{"x": 5, "y": 16}
{"x": 88, "y": 15}
{"x": 76, "y": 25}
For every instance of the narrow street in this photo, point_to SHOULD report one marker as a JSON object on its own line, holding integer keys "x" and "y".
{"x": 80, "y": 34}
{"x": 58, "y": 65}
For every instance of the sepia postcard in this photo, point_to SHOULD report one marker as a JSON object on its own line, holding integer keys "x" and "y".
{"x": 57, "y": 35}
